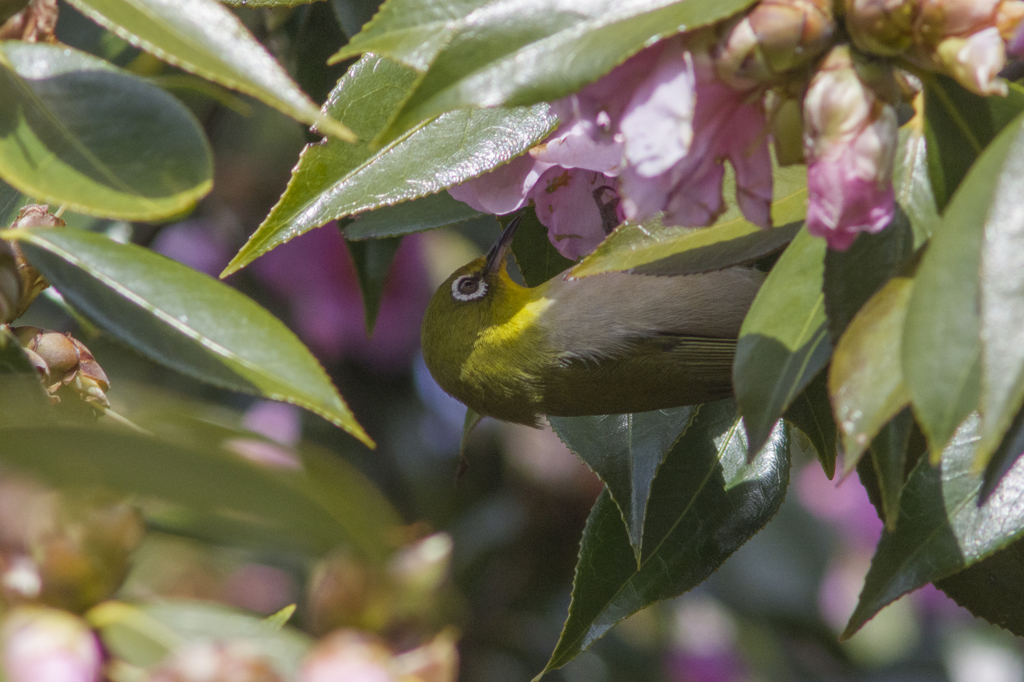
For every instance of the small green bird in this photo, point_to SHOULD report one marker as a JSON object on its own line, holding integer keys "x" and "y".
{"x": 603, "y": 344}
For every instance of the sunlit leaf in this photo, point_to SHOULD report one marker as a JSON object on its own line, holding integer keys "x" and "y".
{"x": 205, "y": 38}
{"x": 78, "y": 131}
{"x": 185, "y": 320}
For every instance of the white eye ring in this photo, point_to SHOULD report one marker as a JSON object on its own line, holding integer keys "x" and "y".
{"x": 468, "y": 288}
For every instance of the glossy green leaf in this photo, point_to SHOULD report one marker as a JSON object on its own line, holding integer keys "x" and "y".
{"x": 536, "y": 256}
{"x": 911, "y": 184}
{"x": 507, "y": 52}
{"x": 418, "y": 215}
{"x": 334, "y": 180}
{"x": 21, "y": 392}
{"x": 784, "y": 342}
{"x": 889, "y": 458}
{"x": 705, "y": 502}
{"x": 142, "y": 634}
{"x": 993, "y": 588}
{"x": 943, "y": 527}
{"x": 201, "y": 479}
{"x": 1002, "y": 296}
{"x": 76, "y": 130}
{"x": 626, "y": 451}
{"x": 812, "y": 414}
{"x": 944, "y": 377}
{"x": 853, "y": 276}
{"x": 958, "y": 125}
{"x": 205, "y": 38}
{"x": 372, "y": 261}
{"x": 866, "y": 377}
{"x": 185, "y": 320}
{"x": 266, "y": 3}
{"x": 681, "y": 251}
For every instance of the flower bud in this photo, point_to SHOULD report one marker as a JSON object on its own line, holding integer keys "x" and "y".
{"x": 420, "y": 569}
{"x": 341, "y": 590}
{"x": 63, "y": 360}
{"x": 849, "y": 143}
{"x": 774, "y": 37}
{"x": 435, "y": 661}
{"x": 975, "y": 61}
{"x": 940, "y": 19}
{"x": 881, "y": 27}
{"x": 32, "y": 283}
{"x": 1008, "y": 20}
{"x": 216, "y": 662}
{"x": 351, "y": 656}
{"x": 47, "y": 645}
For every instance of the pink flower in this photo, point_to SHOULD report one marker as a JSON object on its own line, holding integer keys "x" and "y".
{"x": 577, "y": 206}
{"x": 504, "y": 189}
{"x": 48, "y": 645}
{"x": 849, "y": 145}
{"x": 975, "y": 61}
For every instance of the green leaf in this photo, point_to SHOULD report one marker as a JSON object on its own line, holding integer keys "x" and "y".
{"x": 652, "y": 248}
{"x": 536, "y": 256}
{"x": 418, "y": 215}
{"x": 812, "y": 414}
{"x": 266, "y": 3}
{"x": 626, "y": 451}
{"x": 993, "y": 588}
{"x": 334, "y": 180}
{"x": 866, "y": 377}
{"x": 958, "y": 125}
{"x": 705, "y": 502}
{"x": 1002, "y": 295}
{"x": 203, "y": 480}
{"x": 941, "y": 342}
{"x": 80, "y": 132}
{"x": 507, "y": 52}
{"x": 911, "y": 183}
{"x": 143, "y": 634}
{"x": 372, "y": 261}
{"x": 943, "y": 526}
{"x": 889, "y": 457}
{"x": 185, "y": 320}
{"x": 853, "y": 276}
{"x": 279, "y": 619}
{"x": 21, "y": 392}
{"x": 207, "y": 39}
{"x": 783, "y": 343}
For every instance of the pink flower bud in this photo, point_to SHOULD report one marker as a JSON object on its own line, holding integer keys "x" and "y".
{"x": 849, "y": 144}
{"x": 47, "y": 645}
{"x": 881, "y": 27}
{"x": 351, "y": 656}
{"x": 975, "y": 61}
{"x": 216, "y": 662}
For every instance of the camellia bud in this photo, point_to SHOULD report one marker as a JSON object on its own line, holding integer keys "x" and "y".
{"x": 849, "y": 143}
{"x": 435, "y": 661}
{"x": 351, "y": 656}
{"x": 32, "y": 283}
{"x": 419, "y": 571}
{"x": 774, "y": 37}
{"x": 881, "y": 27}
{"x": 341, "y": 590}
{"x": 63, "y": 360}
{"x": 975, "y": 61}
{"x": 216, "y": 662}
{"x": 48, "y": 645}
{"x": 1009, "y": 16}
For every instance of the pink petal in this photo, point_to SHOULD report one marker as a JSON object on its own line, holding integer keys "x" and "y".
{"x": 504, "y": 189}
{"x": 569, "y": 203}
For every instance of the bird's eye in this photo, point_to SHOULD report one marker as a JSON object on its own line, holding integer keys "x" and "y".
{"x": 468, "y": 288}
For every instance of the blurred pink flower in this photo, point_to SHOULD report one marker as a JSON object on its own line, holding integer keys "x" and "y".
{"x": 849, "y": 144}
{"x": 48, "y": 645}
{"x": 843, "y": 505}
{"x": 314, "y": 274}
{"x": 350, "y": 656}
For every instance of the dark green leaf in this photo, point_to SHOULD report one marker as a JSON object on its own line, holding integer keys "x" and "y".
{"x": 81, "y": 132}
{"x": 783, "y": 343}
{"x": 185, "y": 320}
{"x": 705, "y": 502}
{"x": 203, "y": 480}
{"x": 943, "y": 527}
{"x": 536, "y": 256}
{"x": 21, "y": 392}
{"x": 812, "y": 414}
{"x": 958, "y": 126}
{"x": 1002, "y": 294}
{"x": 854, "y": 275}
{"x": 207, "y": 39}
{"x": 626, "y": 451}
{"x": 682, "y": 251}
{"x": 866, "y": 377}
{"x": 941, "y": 342}
{"x": 373, "y": 260}
{"x": 889, "y": 457}
{"x": 993, "y": 588}
{"x": 507, "y": 52}
{"x": 335, "y": 179}
{"x": 143, "y": 634}
{"x": 418, "y": 215}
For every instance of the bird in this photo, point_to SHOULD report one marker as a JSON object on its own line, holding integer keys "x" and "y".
{"x": 610, "y": 343}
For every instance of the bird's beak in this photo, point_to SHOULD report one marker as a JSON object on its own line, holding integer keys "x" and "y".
{"x": 496, "y": 256}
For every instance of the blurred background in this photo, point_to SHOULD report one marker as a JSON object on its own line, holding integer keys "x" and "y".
{"x": 502, "y": 570}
